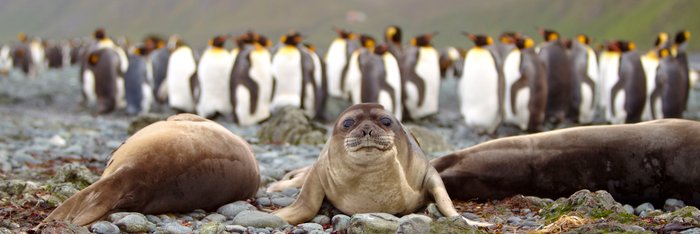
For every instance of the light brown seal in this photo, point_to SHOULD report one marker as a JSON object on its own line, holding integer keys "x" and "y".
{"x": 370, "y": 164}
{"x": 645, "y": 162}
{"x": 177, "y": 165}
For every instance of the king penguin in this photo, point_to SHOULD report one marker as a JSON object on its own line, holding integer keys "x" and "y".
{"x": 421, "y": 78}
{"x": 392, "y": 37}
{"x": 160, "y": 59}
{"x": 374, "y": 77}
{"x": 101, "y": 84}
{"x": 650, "y": 63}
{"x": 5, "y": 60}
{"x": 180, "y": 78}
{"x": 21, "y": 56}
{"x": 559, "y": 80}
{"x": 214, "y": 73}
{"x": 667, "y": 100}
{"x": 137, "y": 90}
{"x": 525, "y": 93}
{"x": 626, "y": 92}
{"x": 294, "y": 81}
{"x": 481, "y": 87}
{"x": 678, "y": 50}
{"x": 320, "y": 79}
{"x": 337, "y": 59}
{"x": 584, "y": 68}
{"x": 251, "y": 79}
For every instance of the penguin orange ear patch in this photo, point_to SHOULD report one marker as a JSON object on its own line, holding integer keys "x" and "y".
{"x": 93, "y": 59}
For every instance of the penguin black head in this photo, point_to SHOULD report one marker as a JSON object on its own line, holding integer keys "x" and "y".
{"x": 218, "y": 41}
{"x": 367, "y": 41}
{"x": 291, "y": 39}
{"x": 613, "y": 46}
{"x": 626, "y": 46}
{"x": 393, "y": 34}
{"x": 381, "y": 49}
{"x": 479, "y": 40}
{"x": 661, "y": 40}
{"x": 246, "y": 39}
{"x": 423, "y": 40}
{"x": 524, "y": 43}
{"x": 344, "y": 34}
{"x": 682, "y": 36}
{"x": 100, "y": 34}
{"x": 264, "y": 41}
{"x": 509, "y": 37}
{"x": 549, "y": 35}
{"x": 583, "y": 39}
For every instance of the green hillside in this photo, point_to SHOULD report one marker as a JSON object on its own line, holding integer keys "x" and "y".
{"x": 197, "y": 21}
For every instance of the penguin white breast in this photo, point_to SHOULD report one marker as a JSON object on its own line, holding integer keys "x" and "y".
{"x": 353, "y": 78}
{"x": 182, "y": 67}
{"x": 214, "y": 72}
{"x": 336, "y": 59}
{"x": 393, "y": 78}
{"x": 428, "y": 69}
{"x": 286, "y": 70}
{"x": 511, "y": 72}
{"x": 478, "y": 89}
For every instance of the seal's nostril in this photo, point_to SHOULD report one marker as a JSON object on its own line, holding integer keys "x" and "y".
{"x": 370, "y": 132}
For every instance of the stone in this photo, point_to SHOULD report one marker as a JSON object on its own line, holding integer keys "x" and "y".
{"x": 57, "y": 141}
{"x": 628, "y": 209}
{"x": 340, "y": 222}
{"x": 263, "y": 201}
{"x": 414, "y": 223}
{"x": 135, "y": 223}
{"x": 291, "y": 126}
{"x": 104, "y": 227}
{"x": 433, "y": 211}
{"x": 283, "y": 201}
{"x": 142, "y": 121}
{"x": 290, "y": 192}
{"x": 236, "y": 228}
{"x": 75, "y": 173}
{"x": 470, "y": 216}
{"x": 175, "y": 228}
{"x": 691, "y": 231}
{"x": 215, "y": 217}
{"x": 685, "y": 214}
{"x": 452, "y": 225}
{"x": 309, "y": 227}
{"x": 429, "y": 140}
{"x": 213, "y": 228}
{"x": 373, "y": 223}
{"x": 153, "y": 219}
{"x": 232, "y": 209}
{"x": 61, "y": 227}
{"x": 322, "y": 220}
{"x": 249, "y": 218}
{"x": 673, "y": 205}
{"x": 643, "y": 207}
{"x": 599, "y": 203}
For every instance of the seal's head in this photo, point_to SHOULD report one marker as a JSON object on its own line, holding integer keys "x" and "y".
{"x": 366, "y": 129}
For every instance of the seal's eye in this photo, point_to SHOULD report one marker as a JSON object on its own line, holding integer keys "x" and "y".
{"x": 385, "y": 121}
{"x": 348, "y": 123}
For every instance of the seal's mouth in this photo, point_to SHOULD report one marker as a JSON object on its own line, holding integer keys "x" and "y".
{"x": 368, "y": 143}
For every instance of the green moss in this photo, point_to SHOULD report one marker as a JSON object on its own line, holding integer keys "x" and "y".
{"x": 600, "y": 214}
{"x": 624, "y": 218}
{"x": 552, "y": 212}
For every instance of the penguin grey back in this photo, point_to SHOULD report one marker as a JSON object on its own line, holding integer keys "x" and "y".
{"x": 133, "y": 83}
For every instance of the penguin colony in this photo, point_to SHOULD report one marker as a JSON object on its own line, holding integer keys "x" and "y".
{"x": 511, "y": 80}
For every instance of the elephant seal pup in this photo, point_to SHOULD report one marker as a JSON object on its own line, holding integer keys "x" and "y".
{"x": 645, "y": 162}
{"x": 370, "y": 164}
{"x": 177, "y": 165}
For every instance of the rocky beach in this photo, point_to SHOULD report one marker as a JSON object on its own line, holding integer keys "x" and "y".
{"x": 51, "y": 147}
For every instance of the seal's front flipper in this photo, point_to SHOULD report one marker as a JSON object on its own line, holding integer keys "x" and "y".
{"x": 307, "y": 204}
{"x": 443, "y": 201}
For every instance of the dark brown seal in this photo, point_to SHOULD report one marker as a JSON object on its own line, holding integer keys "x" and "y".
{"x": 645, "y": 162}
{"x": 177, "y": 165}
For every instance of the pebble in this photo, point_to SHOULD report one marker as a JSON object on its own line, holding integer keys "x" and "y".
{"x": 673, "y": 204}
{"x": 643, "y": 207}
{"x": 263, "y": 201}
{"x": 153, "y": 219}
{"x": 57, "y": 141}
{"x": 309, "y": 227}
{"x": 414, "y": 223}
{"x": 515, "y": 220}
{"x": 433, "y": 211}
{"x": 250, "y": 218}
{"x": 135, "y": 223}
{"x": 373, "y": 223}
{"x": 212, "y": 228}
{"x": 628, "y": 209}
{"x": 283, "y": 201}
{"x": 290, "y": 192}
{"x": 175, "y": 228}
{"x": 340, "y": 222}
{"x": 236, "y": 228}
{"x": 214, "y": 218}
{"x": 470, "y": 216}
{"x": 104, "y": 227}
{"x": 321, "y": 219}
{"x": 691, "y": 231}
{"x": 232, "y": 209}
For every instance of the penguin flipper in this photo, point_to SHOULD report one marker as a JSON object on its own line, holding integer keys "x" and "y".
{"x": 519, "y": 84}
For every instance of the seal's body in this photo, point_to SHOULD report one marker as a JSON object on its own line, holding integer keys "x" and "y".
{"x": 178, "y": 165}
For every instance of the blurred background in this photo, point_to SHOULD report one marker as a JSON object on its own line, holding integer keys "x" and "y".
{"x": 198, "y": 21}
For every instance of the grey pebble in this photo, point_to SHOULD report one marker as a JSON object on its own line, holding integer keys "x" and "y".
{"x": 321, "y": 219}
{"x": 414, "y": 223}
{"x": 691, "y": 231}
{"x": 23, "y": 158}
{"x": 114, "y": 217}
{"x": 236, "y": 228}
{"x": 215, "y": 217}
{"x": 673, "y": 204}
{"x": 341, "y": 222}
{"x": 643, "y": 207}
{"x": 433, "y": 211}
{"x": 176, "y": 228}
{"x": 212, "y": 228}
{"x": 283, "y": 201}
{"x": 153, "y": 219}
{"x": 264, "y": 201}
{"x": 249, "y": 218}
{"x": 104, "y": 227}
{"x": 310, "y": 227}
{"x": 373, "y": 222}
{"x": 232, "y": 209}
{"x": 290, "y": 192}
{"x": 262, "y": 192}
{"x": 514, "y": 220}
{"x": 135, "y": 223}
{"x": 529, "y": 223}
{"x": 628, "y": 209}
{"x": 470, "y": 216}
